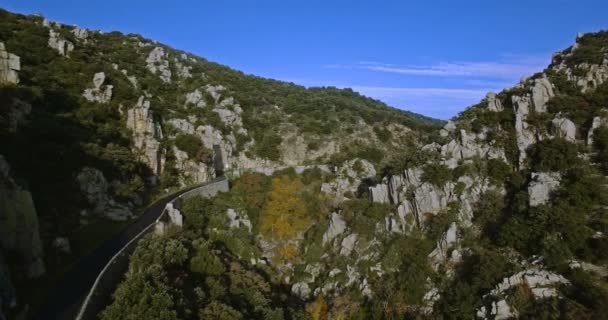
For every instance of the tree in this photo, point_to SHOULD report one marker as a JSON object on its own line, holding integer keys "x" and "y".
{"x": 285, "y": 214}
{"x": 219, "y": 311}
{"x": 317, "y": 309}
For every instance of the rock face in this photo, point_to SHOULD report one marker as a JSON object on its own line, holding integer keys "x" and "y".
{"x": 10, "y": 65}
{"x": 541, "y": 186}
{"x": 564, "y": 128}
{"x": 542, "y": 284}
{"x": 195, "y": 98}
{"x": 19, "y": 231}
{"x": 98, "y": 93}
{"x": 80, "y": 34}
{"x": 146, "y": 133}
{"x": 157, "y": 63}
{"x": 525, "y": 137}
{"x": 494, "y": 103}
{"x": 192, "y": 170}
{"x": 542, "y": 91}
{"x": 337, "y": 226}
{"x": 63, "y": 47}
{"x": 597, "y": 122}
{"x": 95, "y": 188}
{"x": 348, "y": 179}
{"x": 447, "y": 241}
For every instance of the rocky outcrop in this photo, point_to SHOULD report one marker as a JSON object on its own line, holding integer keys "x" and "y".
{"x": 192, "y": 170}
{"x": 349, "y": 177}
{"x": 596, "y": 123}
{"x": 19, "y": 232}
{"x": 449, "y": 127}
{"x": 301, "y": 289}
{"x": 379, "y": 193}
{"x": 542, "y": 284}
{"x": 542, "y": 91}
{"x": 493, "y": 102}
{"x": 96, "y": 189}
{"x": 63, "y": 47}
{"x": 10, "y": 65}
{"x": 541, "y": 186}
{"x": 440, "y": 254}
{"x": 157, "y": 62}
{"x": 467, "y": 146}
{"x": 195, "y": 98}
{"x": 525, "y": 136}
{"x": 238, "y": 220}
{"x": 183, "y": 71}
{"x": 564, "y": 128}
{"x": 146, "y": 134}
{"x": 98, "y": 93}
{"x": 80, "y": 34}
{"x": 337, "y": 226}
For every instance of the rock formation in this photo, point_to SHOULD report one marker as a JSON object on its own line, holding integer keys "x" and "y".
{"x": 19, "y": 231}
{"x": 63, "y": 47}
{"x": 96, "y": 189}
{"x": 541, "y": 186}
{"x": 10, "y": 65}
{"x": 146, "y": 134}
{"x": 97, "y": 93}
{"x": 564, "y": 128}
{"x": 157, "y": 63}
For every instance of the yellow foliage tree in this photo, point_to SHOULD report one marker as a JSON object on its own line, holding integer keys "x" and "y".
{"x": 285, "y": 213}
{"x": 317, "y": 309}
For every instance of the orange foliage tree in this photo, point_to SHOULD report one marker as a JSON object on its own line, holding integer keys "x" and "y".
{"x": 285, "y": 214}
{"x": 317, "y": 309}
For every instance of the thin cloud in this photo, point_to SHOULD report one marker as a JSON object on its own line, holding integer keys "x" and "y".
{"x": 402, "y": 92}
{"x": 509, "y": 67}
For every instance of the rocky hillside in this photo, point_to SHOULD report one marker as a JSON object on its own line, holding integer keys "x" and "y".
{"x": 95, "y": 125}
{"x": 502, "y": 216}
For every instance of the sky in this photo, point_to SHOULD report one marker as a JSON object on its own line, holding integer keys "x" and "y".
{"x": 433, "y": 57}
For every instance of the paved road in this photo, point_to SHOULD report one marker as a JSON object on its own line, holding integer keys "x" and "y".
{"x": 65, "y": 298}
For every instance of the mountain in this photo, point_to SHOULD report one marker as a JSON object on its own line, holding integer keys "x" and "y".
{"x": 94, "y": 126}
{"x": 502, "y": 215}
{"x": 339, "y": 206}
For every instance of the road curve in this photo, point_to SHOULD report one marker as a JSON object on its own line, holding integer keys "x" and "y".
{"x": 65, "y": 298}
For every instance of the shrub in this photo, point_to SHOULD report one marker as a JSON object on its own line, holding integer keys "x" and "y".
{"x": 436, "y": 174}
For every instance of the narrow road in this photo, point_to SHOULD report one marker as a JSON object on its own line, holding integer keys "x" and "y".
{"x": 64, "y": 300}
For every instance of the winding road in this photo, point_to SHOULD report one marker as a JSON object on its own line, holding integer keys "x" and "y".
{"x": 65, "y": 299}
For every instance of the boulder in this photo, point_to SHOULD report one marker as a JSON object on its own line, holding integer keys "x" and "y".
{"x": 541, "y": 186}
{"x": 10, "y": 65}
{"x": 564, "y": 128}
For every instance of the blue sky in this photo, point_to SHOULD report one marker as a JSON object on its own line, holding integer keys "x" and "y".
{"x": 433, "y": 57}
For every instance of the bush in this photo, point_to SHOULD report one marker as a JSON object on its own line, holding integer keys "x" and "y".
{"x": 436, "y": 174}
